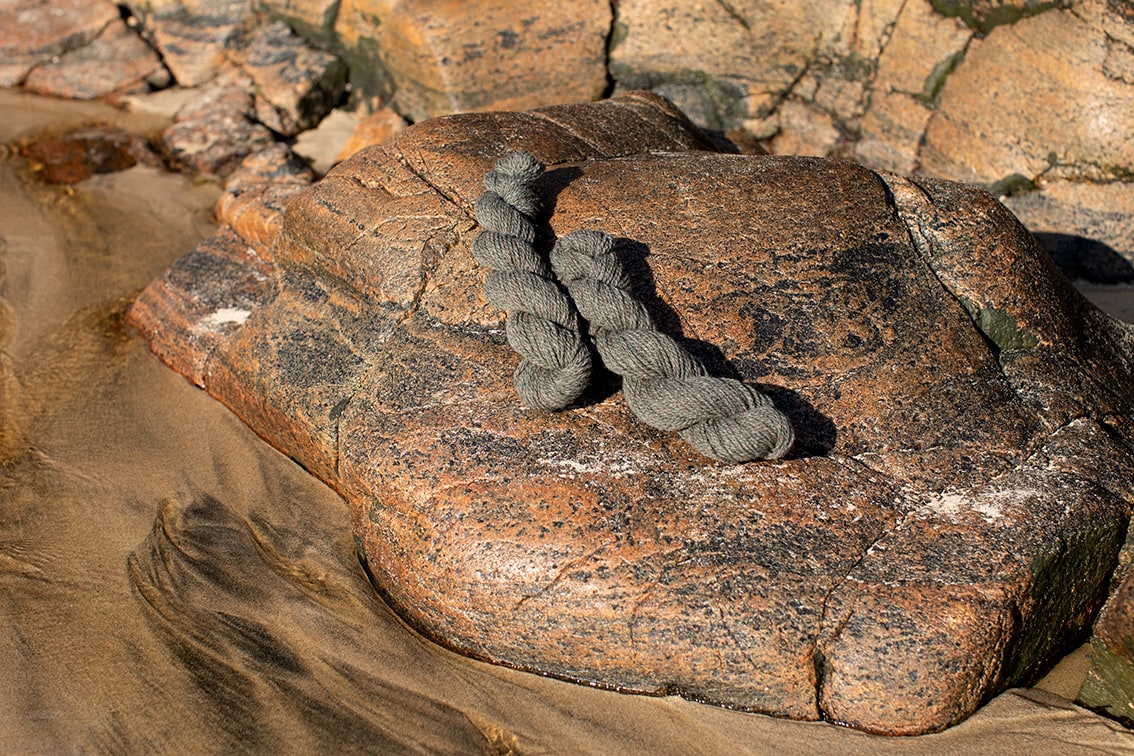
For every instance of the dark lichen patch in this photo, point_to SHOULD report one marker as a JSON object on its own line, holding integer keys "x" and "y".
{"x": 1011, "y": 185}
{"x": 985, "y": 15}
{"x": 935, "y": 82}
{"x": 1107, "y": 688}
{"x": 999, "y": 327}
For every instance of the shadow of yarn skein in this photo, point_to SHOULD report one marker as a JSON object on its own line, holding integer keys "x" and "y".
{"x": 815, "y": 434}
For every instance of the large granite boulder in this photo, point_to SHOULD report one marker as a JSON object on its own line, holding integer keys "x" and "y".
{"x": 949, "y": 517}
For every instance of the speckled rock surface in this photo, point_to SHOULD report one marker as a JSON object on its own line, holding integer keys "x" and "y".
{"x": 214, "y": 131}
{"x": 949, "y": 517}
{"x": 448, "y": 56}
{"x": 32, "y": 32}
{"x": 194, "y": 36}
{"x": 295, "y": 85}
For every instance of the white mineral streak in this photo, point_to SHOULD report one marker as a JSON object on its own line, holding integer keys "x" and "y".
{"x": 225, "y": 316}
{"x": 570, "y": 468}
{"x": 991, "y": 505}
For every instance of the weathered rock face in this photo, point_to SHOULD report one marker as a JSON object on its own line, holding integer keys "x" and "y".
{"x": 1110, "y": 680}
{"x": 295, "y": 86}
{"x": 1029, "y": 98}
{"x": 115, "y": 62}
{"x": 954, "y": 505}
{"x": 194, "y": 36}
{"x": 434, "y": 58}
{"x": 35, "y": 31}
{"x": 214, "y": 131}
{"x": 1025, "y": 97}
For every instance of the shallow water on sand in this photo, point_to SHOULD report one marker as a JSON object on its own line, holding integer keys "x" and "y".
{"x": 170, "y": 583}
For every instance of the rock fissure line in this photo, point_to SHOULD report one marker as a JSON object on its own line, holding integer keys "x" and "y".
{"x": 422, "y": 174}
{"x": 934, "y": 111}
{"x": 569, "y": 130}
{"x": 924, "y": 247}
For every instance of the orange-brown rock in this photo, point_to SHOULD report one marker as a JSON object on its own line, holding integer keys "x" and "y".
{"x": 255, "y": 194}
{"x": 372, "y": 129}
{"x": 78, "y": 155}
{"x": 447, "y": 56}
{"x": 949, "y": 517}
{"x": 1064, "y": 113}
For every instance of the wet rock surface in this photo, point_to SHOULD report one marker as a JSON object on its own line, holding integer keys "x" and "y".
{"x": 79, "y": 154}
{"x": 950, "y": 515}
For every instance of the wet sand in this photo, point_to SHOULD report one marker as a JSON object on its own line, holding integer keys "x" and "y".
{"x": 170, "y": 583}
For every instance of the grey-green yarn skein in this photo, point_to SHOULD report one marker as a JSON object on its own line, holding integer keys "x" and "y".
{"x": 665, "y": 386}
{"x": 542, "y": 325}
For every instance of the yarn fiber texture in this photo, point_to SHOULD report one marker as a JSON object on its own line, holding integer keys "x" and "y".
{"x": 665, "y": 386}
{"x": 543, "y": 325}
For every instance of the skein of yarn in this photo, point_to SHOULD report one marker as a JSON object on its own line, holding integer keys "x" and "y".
{"x": 665, "y": 386}
{"x": 542, "y": 325}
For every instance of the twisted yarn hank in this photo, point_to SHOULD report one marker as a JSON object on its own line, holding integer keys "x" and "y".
{"x": 542, "y": 325}
{"x": 664, "y": 385}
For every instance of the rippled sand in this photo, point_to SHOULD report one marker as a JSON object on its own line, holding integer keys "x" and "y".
{"x": 170, "y": 583}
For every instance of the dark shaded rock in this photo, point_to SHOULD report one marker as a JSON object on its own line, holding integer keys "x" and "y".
{"x": 32, "y": 32}
{"x": 1109, "y": 686}
{"x": 948, "y": 520}
{"x": 1088, "y": 229}
{"x": 214, "y": 131}
{"x": 314, "y": 19}
{"x": 77, "y": 156}
{"x": 115, "y": 62}
{"x": 983, "y": 15}
{"x": 295, "y": 86}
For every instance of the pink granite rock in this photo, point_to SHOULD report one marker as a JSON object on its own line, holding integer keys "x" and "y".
{"x": 33, "y": 32}
{"x": 955, "y": 502}
{"x": 117, "y": 61}
{"x": 215, "y": 130}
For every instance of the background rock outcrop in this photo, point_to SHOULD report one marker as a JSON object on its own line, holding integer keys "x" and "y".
{"x": 1028, "y": 98}
{"x": 953, "y": 509}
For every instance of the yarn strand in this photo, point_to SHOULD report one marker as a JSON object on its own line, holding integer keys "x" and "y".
{"x": 542, "y": 325}
{"x": 664, "y": 385}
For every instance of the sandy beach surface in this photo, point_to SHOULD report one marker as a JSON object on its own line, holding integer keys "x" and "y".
{"x": 171, "y": 583}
